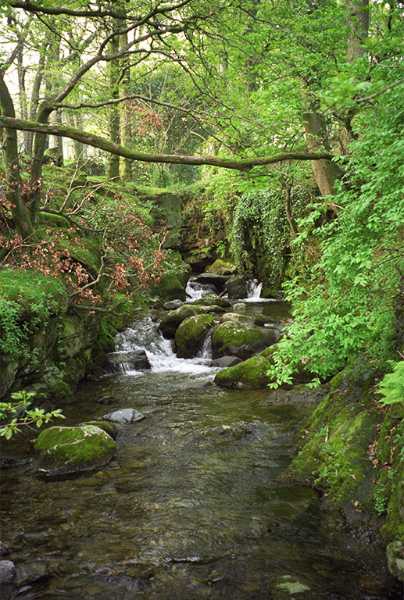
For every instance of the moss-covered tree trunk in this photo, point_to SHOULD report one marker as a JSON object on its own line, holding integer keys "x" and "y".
{"x": 9, "y": 140}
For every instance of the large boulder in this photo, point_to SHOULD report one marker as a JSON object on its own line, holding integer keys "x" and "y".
{"x": 171, "y": 321}
{"x": 221, "y": 267}
{"x": 191, "y": 333}
{"x": 218, "y": 281}
{"x": 171, "y": 287}
{"x": 71, "y": 450}
{"x": 237, "y": 287}
{"x": 250, "y": 374}
{"x": 241, "y": 339}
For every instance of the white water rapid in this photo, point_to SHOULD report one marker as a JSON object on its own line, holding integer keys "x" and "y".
{"x": 145, "y": 336}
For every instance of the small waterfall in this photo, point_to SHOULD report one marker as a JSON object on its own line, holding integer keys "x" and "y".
{"x": 254, "y": 288}
{"x": 196, "y": 291}
{"x": 206, "y": 350}
{"x": 145, "y": 336}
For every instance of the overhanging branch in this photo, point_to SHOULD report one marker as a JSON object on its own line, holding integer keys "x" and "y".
{"x": 104, "y": 144}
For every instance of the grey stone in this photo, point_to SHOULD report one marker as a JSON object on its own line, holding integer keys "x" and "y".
{"x": 124, "y": 416}
{"x": 133, "y": 360}
{"x": 172, "y": 304}
{"x": 226, "y": 361}
{"x": 7, "y": 572}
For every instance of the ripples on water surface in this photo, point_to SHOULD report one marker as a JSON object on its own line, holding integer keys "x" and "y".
{"x": 193, "y": 506}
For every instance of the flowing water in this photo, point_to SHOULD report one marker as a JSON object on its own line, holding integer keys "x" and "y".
{"x": 194, "y": 506}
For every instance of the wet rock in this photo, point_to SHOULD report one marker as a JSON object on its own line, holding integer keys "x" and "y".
{"x": 170, "y": 322}
{"x": 10, "y": 462}
{"x": 7, "y": 572}
{"x": 240, "y": 307}
{"x": 7, "y": 579}
{"x": 4, "y": 549}
{"x": 71, "y": 450}
{"x": 124, "y": 416}
{"x": 218, "y": 281}
{"x": 173, "y": 304}
{"x": 133, "y": 360}
{"x": 213, "y": 300}
{"x": 225, "y": 361}
{"x": 105, "y": 400}
{"x": 191, "y": 333}
{"x": 107, "y": 426}
{"x": 237, "y": 287}
{"x": 233, "y": 316}
{"x": 241, "y": 339}
{"x": 32, "y": 573}
{"x": 395, "y": 559}
{"x": 250, "y": 374}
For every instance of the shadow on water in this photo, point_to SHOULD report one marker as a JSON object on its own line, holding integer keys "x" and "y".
{"x": 194, "y": 506}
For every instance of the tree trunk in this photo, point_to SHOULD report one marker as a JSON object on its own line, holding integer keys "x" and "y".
{"x": 126, "y": 120}
{"x": 325, "y": 171}
{"x": 114, "y": 118}
{"x": 358, "y": 22}
{"x": 21, "y": 213}
{"x": 36, "y": 88}
{"x": 22, "y": 92}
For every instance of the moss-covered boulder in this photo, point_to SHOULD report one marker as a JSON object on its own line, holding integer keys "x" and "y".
{"x": 334, "y": 453}
{"x": 171, "y": 321}
{"x": 221, "y": 267}
{"x": 71, "y": 450}
{"x": 240, "y": 339}
{"x": 171, "y": 287}
{"x": 191, "y": 333}
{"x": 250, "y": 374}
{"x": 237, "y": 287}
{"x": 395, "y": 559}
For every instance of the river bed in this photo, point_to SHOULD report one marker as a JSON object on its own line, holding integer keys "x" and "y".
{"x": 195, "y": 505}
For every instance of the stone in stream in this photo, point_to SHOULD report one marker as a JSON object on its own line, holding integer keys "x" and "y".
{"x": 191, "y": 333}
{"x": 7, "y": 579}
{"x": 171, "y": 321}
{"x": 226, "y": 361}
{"x": 133, "y": 360}
{"x": 107, "y": 426}
{"x": 218, "y": 281}
{"x": 237, "y": 287}
{"x": 4, "y": 550}
{"x": 241, "y": 339}
{"x": 212, "y": 300}
{"x": 72, "y": 450}
{"x": 173, "y": 304}
{"x": 124, "y": 416}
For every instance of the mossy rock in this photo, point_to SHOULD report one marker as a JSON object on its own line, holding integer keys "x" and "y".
{"x": 250, "y": 374}
{"x": 235, "y": 317}
{"x": 221, "y": 267}
{"x": 395, "y": 559}
{"x": 240, "y": 339}
{"x": 191, "y": 333}
{"x": 212, "y": 300}
{"x": 171, "y": 287}
{"x": 336, "y": 441}
{"x": 71, "y": 450}
{"x": 31, "y": 290}
{"x": 171, "y": 321}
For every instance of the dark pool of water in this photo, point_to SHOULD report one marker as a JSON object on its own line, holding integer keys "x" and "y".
{"x": 194, "y": 506}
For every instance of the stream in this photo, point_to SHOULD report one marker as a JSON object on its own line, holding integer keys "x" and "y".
{"x": 194, "y": 505}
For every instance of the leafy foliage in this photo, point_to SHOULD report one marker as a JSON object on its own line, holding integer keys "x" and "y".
{"x": 20, "y": 413}
{"x": 391, "y": 387}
